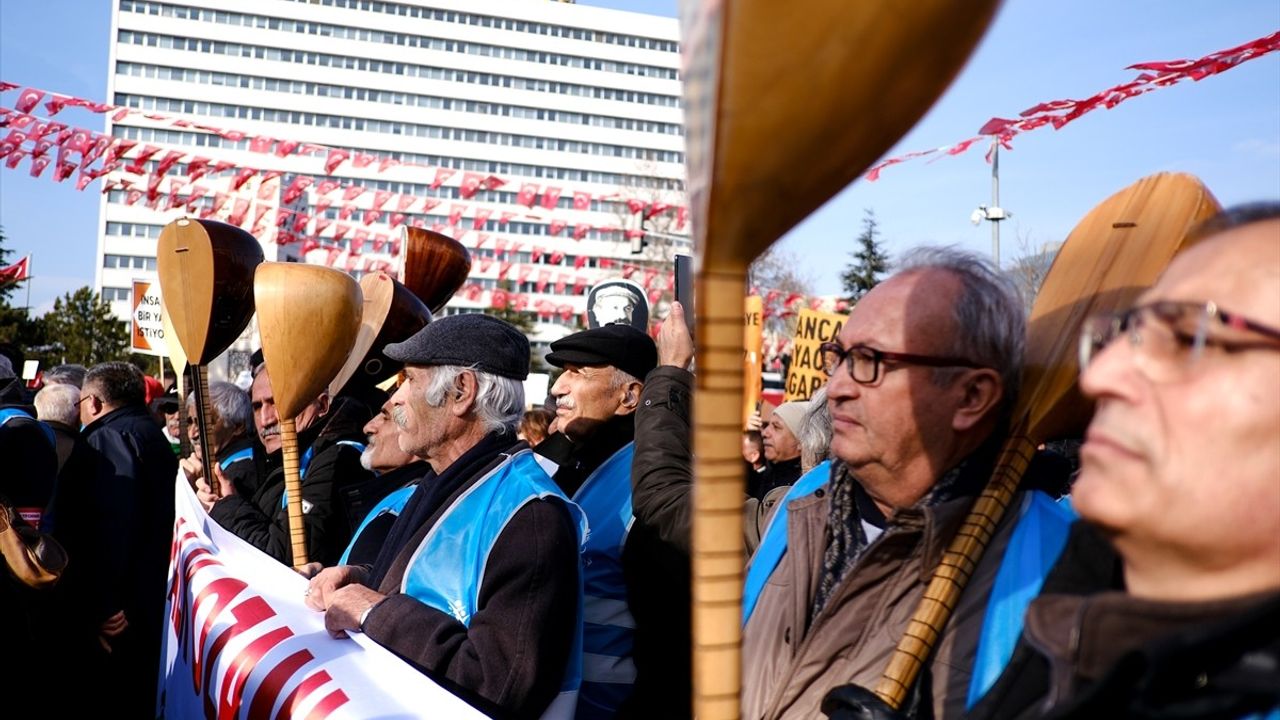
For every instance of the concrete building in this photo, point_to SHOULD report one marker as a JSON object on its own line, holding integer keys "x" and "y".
{"x": 532, "y": 93}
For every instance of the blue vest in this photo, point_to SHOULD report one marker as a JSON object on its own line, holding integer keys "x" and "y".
{"x": 447, "y": 568}
{"x": 608, "y": 632}
{"x": 773, "y": 544}
{"x": 1034, "y": 547}
{"x": 235, "y": 457}
{"x": 392, "y": 504}
{"x": 306, "y": 463}
{"x": 7, "y": 414}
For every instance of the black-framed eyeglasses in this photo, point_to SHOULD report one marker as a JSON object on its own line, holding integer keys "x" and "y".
{"x": 1169, "y": 336}
{"x": 865, "y": 361}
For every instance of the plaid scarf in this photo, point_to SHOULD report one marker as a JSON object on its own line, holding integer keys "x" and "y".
{"x": 847, "y": 540}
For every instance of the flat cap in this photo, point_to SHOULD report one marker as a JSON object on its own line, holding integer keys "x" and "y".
{"x": 621, "y": 346}
{"x": 473, "y": 340}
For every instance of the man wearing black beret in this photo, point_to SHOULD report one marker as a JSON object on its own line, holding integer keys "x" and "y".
{"x": 478, "y": 581}
{"x": 596, "y": 398}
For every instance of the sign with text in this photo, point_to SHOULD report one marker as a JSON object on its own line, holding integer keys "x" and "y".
{"x": 240, "y": 643}
{"x": 147, "y": 320}
{"x": 805, "y": 374}
{"x": 753, "y": 338}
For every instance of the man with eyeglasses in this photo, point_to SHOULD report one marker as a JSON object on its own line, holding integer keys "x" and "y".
{"x": 1180, "y": 471}
{"x": 922, "y": 378}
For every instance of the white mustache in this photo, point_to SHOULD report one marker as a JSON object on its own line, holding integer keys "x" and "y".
{"x": 269, "y": 431}
{"x": 398, "y": 416}
{"x": 566, "y": 402}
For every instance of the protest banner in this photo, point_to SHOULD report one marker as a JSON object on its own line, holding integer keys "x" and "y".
{"x": 146, "y": 320}
{"x": 753, "y": 338}
{"x": 805, "y": 375}
{"x": 240, "y": 643}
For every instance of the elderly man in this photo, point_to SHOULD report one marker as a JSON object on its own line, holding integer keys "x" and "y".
{"x": 135, "y": 525}
{"x": 920, "y": 381}
{"x": 229, "y": 438}
{"x": 590, "y": 455}
{"x": 478, "y": 583}
{"x": 781, "y": 441}
{"x": 1180, "y": 471}
{"x": 331, "y": 444}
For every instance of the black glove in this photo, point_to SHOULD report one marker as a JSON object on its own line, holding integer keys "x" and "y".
{"x": 854, "y": 702}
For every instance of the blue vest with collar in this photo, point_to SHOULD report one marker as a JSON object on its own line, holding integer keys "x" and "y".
{"x": 235, "y": 457}
{"x": 447, "y": 568}
{"x": 608, "y": 670}
{"x": 306, "y": 463}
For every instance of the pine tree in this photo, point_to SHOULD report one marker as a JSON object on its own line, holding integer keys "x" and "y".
{"x": 84, "y": 331}
{"x": 870, "y": 261}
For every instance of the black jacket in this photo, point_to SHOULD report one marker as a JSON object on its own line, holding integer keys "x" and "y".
{"x": 132, "y": 533}
{"x": 656, "y": 559}
{"x": 509, "y": 661}
{"x": 328, "y": 516}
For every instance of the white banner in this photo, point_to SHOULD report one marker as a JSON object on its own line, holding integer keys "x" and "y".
{"x": 239, "y": 643}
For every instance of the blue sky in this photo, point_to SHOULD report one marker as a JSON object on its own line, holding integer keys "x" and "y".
{"x": 1225, "y": 129}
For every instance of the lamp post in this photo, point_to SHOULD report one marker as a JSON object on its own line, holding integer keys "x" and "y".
{"x": 994, "y": 213}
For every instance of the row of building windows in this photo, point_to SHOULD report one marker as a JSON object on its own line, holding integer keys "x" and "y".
{"x": 389, "y": 67}
{"x": 111, "y": 294}
{"x": 393, "y": 127}
{"x": 176, "y": 137}
{"x": 143, "y": 230}
{"x": 128, "y": 261}
{"x": 298, "y": 87}
{"x": 526, "y": 26}
{"x": 381, "y": 37}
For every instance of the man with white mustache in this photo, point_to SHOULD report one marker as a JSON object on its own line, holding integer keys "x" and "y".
{"x": 330, "y": 444}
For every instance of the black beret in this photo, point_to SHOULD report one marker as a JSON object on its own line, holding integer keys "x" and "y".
{"x": 478, "y": 340}
{"x": 621, "y": 346}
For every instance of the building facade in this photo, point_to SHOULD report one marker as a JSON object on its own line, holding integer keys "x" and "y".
{"x": 543, "y": 136}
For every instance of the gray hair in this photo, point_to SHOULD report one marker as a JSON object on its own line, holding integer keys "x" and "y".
{"x": 65, "y": 375}
{"x": 59, "y": 402}
{"x": 815, "y": 431}
{"x": 231, "y": 403}
{"x": 622, "y": 377}
{"x": 499, "y": 400}
{"x": 990, "y": 323}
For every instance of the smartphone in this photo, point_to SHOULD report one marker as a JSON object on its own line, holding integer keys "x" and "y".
{"x": 684, "y": 287}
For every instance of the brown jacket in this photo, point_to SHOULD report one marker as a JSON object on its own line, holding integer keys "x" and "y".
{"x": 789, "y": 667}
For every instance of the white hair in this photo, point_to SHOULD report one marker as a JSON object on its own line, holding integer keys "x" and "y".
{"x": 59, "y": 403}
{"x": 499, "y": 400}
{"x": 235, "y": 411}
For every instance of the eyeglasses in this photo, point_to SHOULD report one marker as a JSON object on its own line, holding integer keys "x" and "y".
{"x": 865, "y": 362}
{"x": 1170, "y": 337}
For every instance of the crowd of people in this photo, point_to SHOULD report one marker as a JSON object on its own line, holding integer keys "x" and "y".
{"x": 537, "y": 562}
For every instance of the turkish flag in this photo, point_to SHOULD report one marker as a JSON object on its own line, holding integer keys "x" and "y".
{"x": 28, "y": 99}
{"x": 565, "y": 311}
{"x": 579, "y": 284}
{"x": 442, "y": 174}
{"x": 525, "y": 197}
{"x": 500, "y": 246}
{"x": 362, "y": 160}
{"x": 504, "y": 267}
{"x": 380, "y": 198}
{"x": 550, "y": 197}
{"x": 628, "y": 270}
{"x": 493, "y": 182}
{"x": 238, "y": 212}
{"x": 481, "y": 238}
{"x": 536, "y": 254}
{"x": 261, "y": 143}
{"x": 348, "y": 209}
{"x": 580, "y": 230}
{"x": 322, "y": 223}
{"x": 470, "y": 184}
{"x": 506, "y": 218}
{"x": 38, "y": 164}
{"x": 296, "y": 188}
{"x": 286, "y": 147}
{"x": 429, "y": 204}
{"x": 498, "y": 298}
{"x": 197, "y": 168}
{"x": 358, "y": 240}
{"x": 581, "y": 201}
{"x": 168, "y": 161}
{"x": 655, "y": 208}
{"x": 132, "y": 197}
{"x": 455, "y": 213}
{"x": 556, "y": 227}
{"x": 562, "y": 280}
{"x": 300, "y": 221}
{"x": 340, "y": 231}
{"x": 579, "y": 261}
{"x": 352, "y": 192}
{"x": 371, "y": 216}
{"x": 482, "y": 216}
{"x": 17, "y": 271}
{"x": 404, "y": 201}
{"x": 334, "y": 160}
{"x": 524, "y": 272}
{"x": 544, "y": 276}
{"x": 219, "y": 199}
{"x": 635, "y": 206}
{"x": 682, "y": 214}
{"x": 556, "y": 258}
{"x": 388, "y": 162}
{"x": 242, "y": 177}
{"x": 396, "y": 219}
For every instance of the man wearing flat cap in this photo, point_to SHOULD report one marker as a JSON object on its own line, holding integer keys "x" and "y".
{"x": 596, "y": 398}
{"x": 478, "y": 583}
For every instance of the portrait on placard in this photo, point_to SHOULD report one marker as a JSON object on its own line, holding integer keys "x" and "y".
{"x": 618, "y": 302}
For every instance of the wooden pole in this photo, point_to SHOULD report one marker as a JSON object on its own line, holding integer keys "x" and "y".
{"x": 293, "y": 488}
